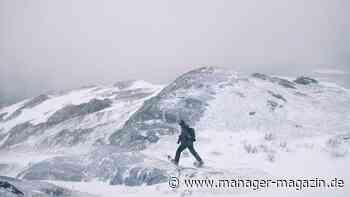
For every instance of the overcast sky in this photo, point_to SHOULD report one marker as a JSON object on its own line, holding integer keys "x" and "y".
{"x": 51, "y": 45}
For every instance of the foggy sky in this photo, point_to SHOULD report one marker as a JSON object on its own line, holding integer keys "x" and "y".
{"x": 52, "y": 45}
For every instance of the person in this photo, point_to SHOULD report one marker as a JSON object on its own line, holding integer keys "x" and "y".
{"x": 186, "y": 138}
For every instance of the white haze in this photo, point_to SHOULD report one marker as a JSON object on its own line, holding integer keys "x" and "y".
{"x": 55, "y": 45}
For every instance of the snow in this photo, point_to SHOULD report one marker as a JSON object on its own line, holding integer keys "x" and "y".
{"x": 12, "y": 108}
{"x": 18, "y": 160}
{"x": 298, "y": 140}
{"x": 142, "y": 84}
{"x": 40, "y": 113}
{"x": 330, "y": 71}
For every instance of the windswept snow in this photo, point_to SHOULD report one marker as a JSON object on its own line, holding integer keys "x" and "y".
{"x": 250, "y": 127}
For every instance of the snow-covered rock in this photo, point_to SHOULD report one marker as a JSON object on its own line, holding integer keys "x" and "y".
{"x": 107, "y": 164}
{"x": 246, "y": 125}
{"x": 186, "y": 98}
{"x": 11, "y": 187}
{"x": 86, "y": 116}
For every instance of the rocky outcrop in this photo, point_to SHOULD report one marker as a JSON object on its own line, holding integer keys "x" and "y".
{"x": 72, "y": 111}
{"x": 19, "y": 133}
{"x": 106, "y": 163}
{"x": 57, "y": 168}
{"x": 186, "y": 98}
{"x": 12, "y": 187}
{"x": 305, "y": 80}
{"x": 138, "y": 176}
{"x": 70, "y": 125}
{"x": 278, "y": 96}
{"x": 35, "y": 101}
{"x": 4, "y": 185}
{"x": 29, "y": 104}
{"x": 282, "y": 82}
{"x": 67, "y": 138}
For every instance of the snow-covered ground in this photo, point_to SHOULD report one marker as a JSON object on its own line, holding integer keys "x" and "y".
{"x": 251, "y": 129}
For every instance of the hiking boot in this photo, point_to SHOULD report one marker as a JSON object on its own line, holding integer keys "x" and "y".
{"x": 174, "y": 162}
{"x": 198, "y": 164}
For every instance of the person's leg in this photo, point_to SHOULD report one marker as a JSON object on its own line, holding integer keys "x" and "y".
{"x": 178, "y": 153}
{"x": 194, "y": 153}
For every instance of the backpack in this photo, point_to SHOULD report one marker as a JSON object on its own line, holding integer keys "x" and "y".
{"x": 192, "y": 134}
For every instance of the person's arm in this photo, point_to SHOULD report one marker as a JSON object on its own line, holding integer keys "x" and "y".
{"x": 193, "y": 133}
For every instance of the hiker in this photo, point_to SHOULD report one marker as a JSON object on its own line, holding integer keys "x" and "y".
{"x": 186, "y": 138}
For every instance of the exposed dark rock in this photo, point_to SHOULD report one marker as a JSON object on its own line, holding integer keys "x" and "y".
{"x": 118, "y": 178}
{"x": 298, "y": 126}
{"x": 36, "y": 189}
{"x": 58, "y": 191}
{"x": 4, "y": 185}
{"x": 300, "y": 94}
{"x": 252, "y": 113}
{"x": 272, "y": 105}
{"x": 35, "y": 101}
{"x": 278, "y": 96}
{"x": 72, "y": 111}
{"x": 283, "y": 82}
{"x": 152, "y": 136}
{"x": 305, "y": 80}
{"x": 261, "y": 76}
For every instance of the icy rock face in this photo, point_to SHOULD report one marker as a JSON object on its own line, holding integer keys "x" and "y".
{"x": 105, "y": 163}
{"x": 57, "y": 168}
{"x": 72, "y": 111}
{"x": 283, "y": 82}
{"x": 128, "y": 168}
{"x": 86, "y": 116}
{"x": 138, "y": 176}
{"x": 185, "y": 98}
{"x": 67, "y": 138}
{"x": 11, "y": 187}
{"x": 19, "y": 133}
{"x": 305, "y": 80}
{"x": 29, "y": 104}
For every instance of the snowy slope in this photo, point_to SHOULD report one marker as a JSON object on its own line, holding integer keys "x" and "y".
{"x": 258, "y": 128}
{"x": 247, "y": 126}
{"x": 84, "y": 116}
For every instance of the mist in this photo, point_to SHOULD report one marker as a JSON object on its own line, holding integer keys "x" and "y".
{"x": 58, "y": 45}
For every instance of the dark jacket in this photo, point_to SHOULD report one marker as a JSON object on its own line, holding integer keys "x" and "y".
{"x": 187, "y": 135}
